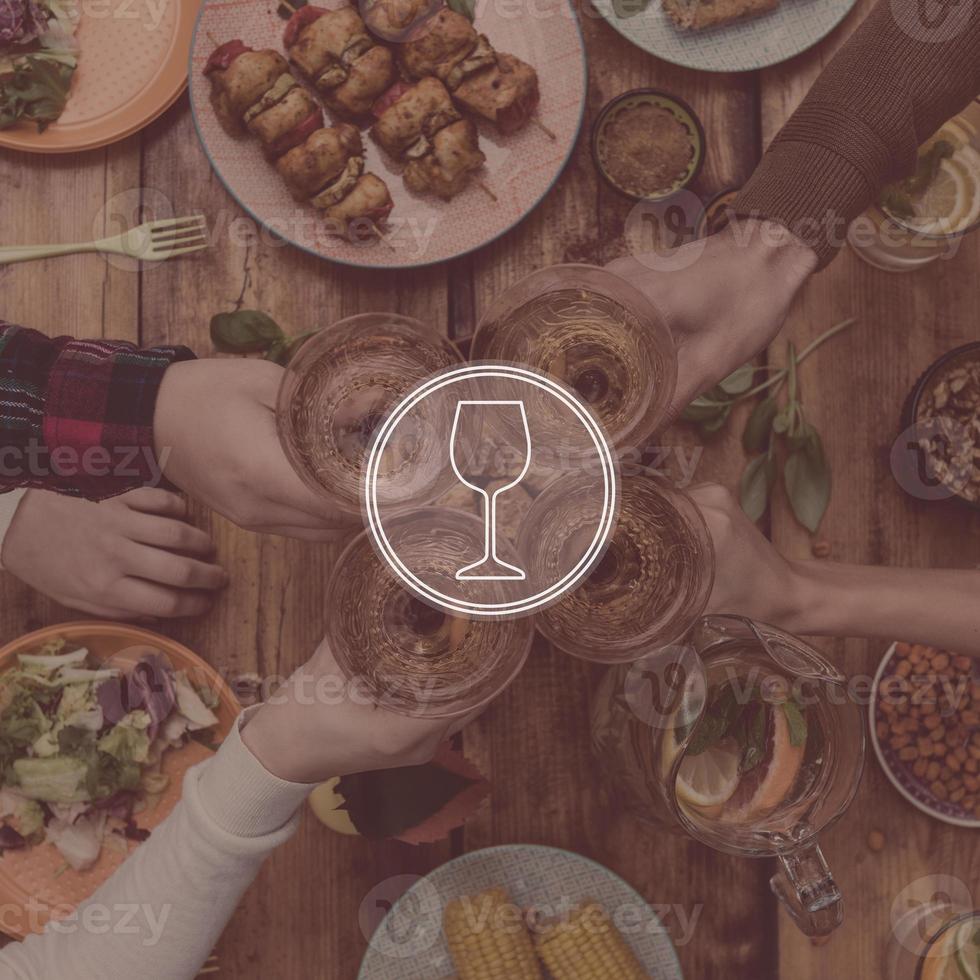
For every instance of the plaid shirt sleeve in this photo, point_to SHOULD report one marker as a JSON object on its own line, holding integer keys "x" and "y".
{"x": 76, "y": 416}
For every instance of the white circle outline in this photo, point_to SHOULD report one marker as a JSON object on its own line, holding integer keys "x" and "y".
{"x": 376, "y": 527}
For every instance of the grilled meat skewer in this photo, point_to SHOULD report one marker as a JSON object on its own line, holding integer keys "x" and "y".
{"x": 323, "y": 167}
{"x": 335, "y": 52}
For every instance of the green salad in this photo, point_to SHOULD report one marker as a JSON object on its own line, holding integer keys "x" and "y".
{"x": 81, "y": 746}
{"x": 38, "y": 57}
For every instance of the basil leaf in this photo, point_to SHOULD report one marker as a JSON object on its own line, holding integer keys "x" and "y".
{"x": 796, "y": 721}
{"x": 755, "y": 438}
{"x": 245, "y": 332}
{"x": 807, "y": 478}
{"x": 739, "y": 381}
{"x": 279, "y": 352}
{"x": 465, "y": 7}
{"x": 754, "y": 487}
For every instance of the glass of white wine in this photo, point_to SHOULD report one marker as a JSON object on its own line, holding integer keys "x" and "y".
{"x": 596, "y": 333}
{"x": 339, "y": 389}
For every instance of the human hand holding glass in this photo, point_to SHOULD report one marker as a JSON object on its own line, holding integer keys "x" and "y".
{"x": 470, "y": 439}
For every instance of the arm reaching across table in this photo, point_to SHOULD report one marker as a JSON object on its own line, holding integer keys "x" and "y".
{"x": 935, "y": 607}
{"x": 888, "y": 89}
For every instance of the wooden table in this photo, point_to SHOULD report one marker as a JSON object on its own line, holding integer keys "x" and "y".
{"x": 300, "y": 920}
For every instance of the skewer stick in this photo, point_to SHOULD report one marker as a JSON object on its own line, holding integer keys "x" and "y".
{"x": 287, "y": 5}
{"x": 486, "y": 190}
{"x": 544, "y": 129}
{"x": 213, "y": 39}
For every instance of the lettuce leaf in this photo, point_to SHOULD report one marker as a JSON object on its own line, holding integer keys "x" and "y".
{"x": 36, "y": 91}
{"x": 55, "y": 780}
{"x": 128, "y": 741}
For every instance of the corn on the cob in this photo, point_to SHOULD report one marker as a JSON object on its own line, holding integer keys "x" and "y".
{"x": 587, "y": 946}
{"x": 488, "y": 939}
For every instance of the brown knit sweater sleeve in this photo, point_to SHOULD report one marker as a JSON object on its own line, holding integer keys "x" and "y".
{"x": 906, "y": 70}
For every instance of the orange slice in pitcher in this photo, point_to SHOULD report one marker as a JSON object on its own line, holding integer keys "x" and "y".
{"x": 763, "y": 788}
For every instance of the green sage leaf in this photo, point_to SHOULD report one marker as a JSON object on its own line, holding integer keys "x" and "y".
{"x": 712, "y": 425}
{"x": 703, "y": 408}
{"x": 755, "y": 484}
{"x": 245, "y": 332}
{"x": 739, "y": 381}
{"x": 755, "y": 438}
{"x": 807, "y": 478}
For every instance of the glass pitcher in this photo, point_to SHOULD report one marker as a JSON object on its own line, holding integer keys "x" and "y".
{"x": 745, "y": 738}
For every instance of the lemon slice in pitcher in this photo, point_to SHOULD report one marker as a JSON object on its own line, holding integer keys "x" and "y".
{"x": 710, "y": 778}
{"x": 950, "y": 203}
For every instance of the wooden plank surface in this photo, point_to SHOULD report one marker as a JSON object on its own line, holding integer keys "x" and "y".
{"x": 301, "y": 919}
{"x": 857, "y": 385}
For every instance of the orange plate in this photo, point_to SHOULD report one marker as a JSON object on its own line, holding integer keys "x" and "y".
{"x": 132, "y": 65}
{"x": 32, "y": 885}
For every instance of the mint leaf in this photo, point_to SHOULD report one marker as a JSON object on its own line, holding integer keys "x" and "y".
{"x": 797, "y": 722}
{"x": 715, "y": 722}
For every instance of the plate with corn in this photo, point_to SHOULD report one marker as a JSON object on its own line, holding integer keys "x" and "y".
{"x": 521, "y": 912}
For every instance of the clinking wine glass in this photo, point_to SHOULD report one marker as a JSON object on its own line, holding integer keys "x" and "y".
{"x": 475, "y": 439}
{"x": 338, "y": 390}
{"x": 407, "y": 654}
{"x": 650, "y": 585}
{"x": 596, "y": 333}
{"x": 744, "y": 738}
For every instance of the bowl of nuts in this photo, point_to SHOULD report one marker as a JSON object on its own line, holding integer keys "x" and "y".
{"x": 925, "y": 729}
{"x": 942, "y": 416}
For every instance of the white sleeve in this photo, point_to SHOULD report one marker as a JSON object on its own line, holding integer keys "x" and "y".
{"x": 159, "y": 916}
{"x": 9, "y": 502}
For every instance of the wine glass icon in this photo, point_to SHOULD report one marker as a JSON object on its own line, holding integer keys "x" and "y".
{"x": 470, "y": 413}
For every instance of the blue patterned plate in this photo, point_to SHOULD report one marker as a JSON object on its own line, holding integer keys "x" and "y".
{"x": 745, "y": 45}
{"x": 409, "y": 944}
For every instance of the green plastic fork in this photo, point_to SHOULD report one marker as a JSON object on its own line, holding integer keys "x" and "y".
{"x": 152, "y": 241}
